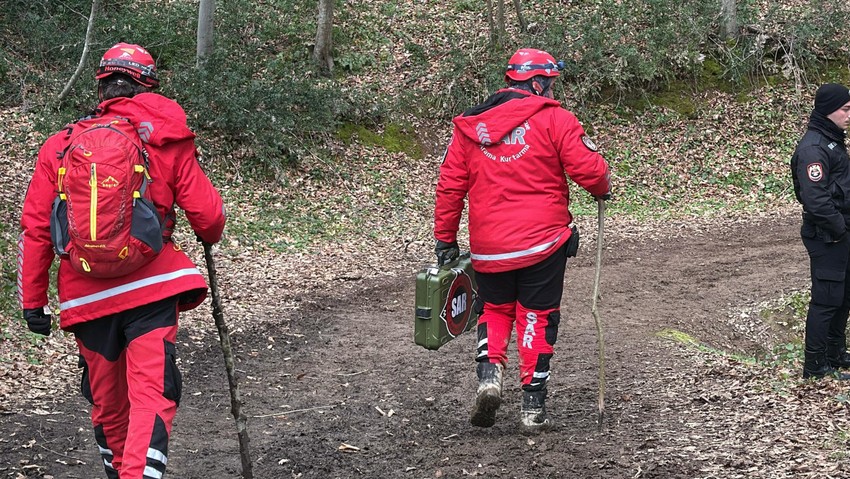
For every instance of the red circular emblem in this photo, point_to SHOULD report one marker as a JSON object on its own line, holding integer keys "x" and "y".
{"x": 458, "y": 307}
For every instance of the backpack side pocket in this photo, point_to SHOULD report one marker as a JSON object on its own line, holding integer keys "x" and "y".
{"x": 59, "y": 226}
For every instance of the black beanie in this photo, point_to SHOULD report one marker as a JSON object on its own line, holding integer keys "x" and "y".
{"x": 830, "y": 97}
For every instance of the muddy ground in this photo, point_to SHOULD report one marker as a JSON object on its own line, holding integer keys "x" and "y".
{"x": 335, "y": 387}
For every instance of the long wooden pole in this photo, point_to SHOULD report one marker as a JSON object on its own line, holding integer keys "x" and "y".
{"x": 224, "y": 338}
{"x": 594, "y": 311}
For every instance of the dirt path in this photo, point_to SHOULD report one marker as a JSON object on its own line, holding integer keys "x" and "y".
{"x": 340, "y": 390}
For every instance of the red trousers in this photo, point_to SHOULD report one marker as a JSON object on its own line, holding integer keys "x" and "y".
{"x": 132, "y": 382}
{"x": 527, "y": 300}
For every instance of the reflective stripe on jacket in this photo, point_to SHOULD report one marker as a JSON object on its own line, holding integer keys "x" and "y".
{"x": 511, "y": 157}
{"x": 177, "y": 180}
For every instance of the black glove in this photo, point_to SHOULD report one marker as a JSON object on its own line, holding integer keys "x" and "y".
{"x": 606, "y": 196}
{"x": 446, "y": 252}
{"x": 38, "y": 321}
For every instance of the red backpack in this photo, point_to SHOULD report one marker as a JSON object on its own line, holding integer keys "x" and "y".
{"x": 103, "y": 219}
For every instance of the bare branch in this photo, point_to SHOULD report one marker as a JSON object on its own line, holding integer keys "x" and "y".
{"x": 95, "y": 5}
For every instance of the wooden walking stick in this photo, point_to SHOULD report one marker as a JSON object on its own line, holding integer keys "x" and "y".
{"x": 224, "y": 338}
{"x": 595, "y": 312}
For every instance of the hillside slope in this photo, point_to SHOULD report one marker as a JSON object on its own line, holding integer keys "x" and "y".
{"x": 317, "y": 267}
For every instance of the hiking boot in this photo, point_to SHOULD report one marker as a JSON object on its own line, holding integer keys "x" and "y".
{"x": 837, "y": 356}
{"x": 816, "y": 366}
{"x": 533, "y": 418}
{"x": 489, "y": 396}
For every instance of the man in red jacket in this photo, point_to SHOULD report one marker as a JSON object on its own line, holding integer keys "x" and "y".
{"x": 509, "y": 156}
{"x": 126, "y": 327}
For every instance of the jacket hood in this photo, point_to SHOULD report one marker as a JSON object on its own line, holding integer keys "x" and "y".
{"x": 159, "y": 120}
{"x": 500, "y": 114}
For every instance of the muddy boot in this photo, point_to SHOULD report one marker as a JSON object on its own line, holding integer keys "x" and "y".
{"x": 816, "y": 366}
{"x": 837, "y": 355}
{"x": 532, "y": 416}
{"x": 489, "y": 396}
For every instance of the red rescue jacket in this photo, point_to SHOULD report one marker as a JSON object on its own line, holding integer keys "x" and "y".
{"x": 509, "y": 155}
{"x": 177, "y": 180}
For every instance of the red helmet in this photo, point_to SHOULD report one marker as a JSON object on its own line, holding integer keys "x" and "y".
{"x": 530, "y": 62}
{"x": 131, "y": 60}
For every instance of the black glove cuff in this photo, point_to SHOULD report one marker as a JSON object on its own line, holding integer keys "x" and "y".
{"x": 443, "y": 245}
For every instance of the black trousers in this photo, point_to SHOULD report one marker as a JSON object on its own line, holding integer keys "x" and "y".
{"x": 539, "y": 286}
{"x": 826, "y": 320}
{"x": 527, "y": 300}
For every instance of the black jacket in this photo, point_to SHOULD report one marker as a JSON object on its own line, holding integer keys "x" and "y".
{"x": 820, "y": 168}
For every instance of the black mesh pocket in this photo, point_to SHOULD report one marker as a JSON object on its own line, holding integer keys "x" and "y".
{"x": 147, "y": 226}
{"x": 59, "y": 226}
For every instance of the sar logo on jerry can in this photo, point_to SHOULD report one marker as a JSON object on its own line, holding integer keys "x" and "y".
{"x": 458, "y": 308}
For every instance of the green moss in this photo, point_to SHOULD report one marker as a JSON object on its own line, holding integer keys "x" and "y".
{"x": 679, "y": 95}
{"x": 744, "y": 97}
{"x": 677, "y": 98}
{"x": 394, "y": 138}
{"x": 712, "y": 76}
{"x": 463, "y": 6}
{"x": 836, "y": 72}
{"x": 677, "y": 336}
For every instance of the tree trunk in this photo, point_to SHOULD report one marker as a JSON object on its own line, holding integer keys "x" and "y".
{"x": 205, "y": 32}
{"x": 496, "y": 20}
{"x": 728, "y": 19}
{"x": 500, "y": 20}
{"x": 523, "y": 25}
{"x": 491, "y": 22}
{"x": 324, "y": 37}
{"x": 95, "y": 5}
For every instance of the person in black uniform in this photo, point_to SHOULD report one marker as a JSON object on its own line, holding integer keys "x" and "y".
{"x": 821, "y": 172}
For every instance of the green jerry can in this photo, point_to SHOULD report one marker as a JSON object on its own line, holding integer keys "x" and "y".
{"x": 444, "y": 302}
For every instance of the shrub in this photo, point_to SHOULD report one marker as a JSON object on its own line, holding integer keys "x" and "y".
{"x": 262, "y": 95}
{"x": 794, "y": 41}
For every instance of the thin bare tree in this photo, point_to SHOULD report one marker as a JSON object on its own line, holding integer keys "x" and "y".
{"x": 496, "y": 19}
{"x": 523, "y": 25}
{"x": 728, "y": 19}
{"x": 206, "y": 30}
{"x": 491, "y": 21}
{"x": 324, "y": 37}
{"x": 500, "y": 18}
{"x": 95, "y": 6}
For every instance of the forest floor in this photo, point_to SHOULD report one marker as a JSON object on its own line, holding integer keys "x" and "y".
{"x": 317, "y": 273}
{"x": 334, "y": 386}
